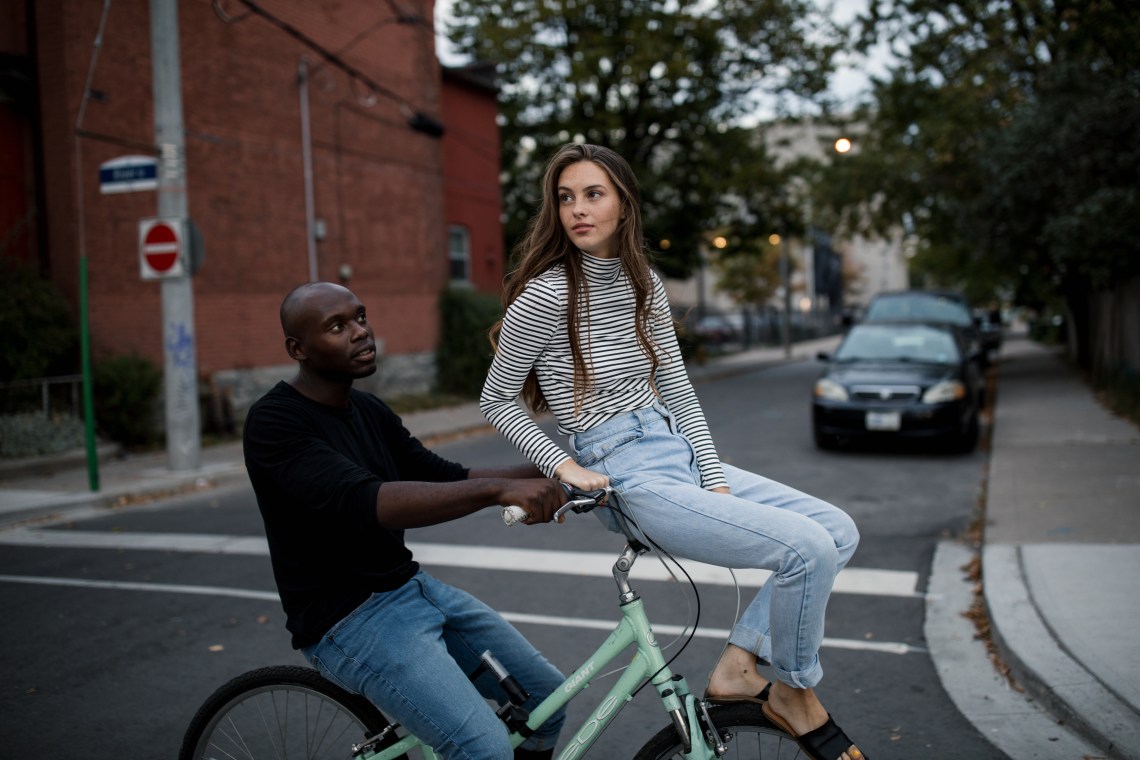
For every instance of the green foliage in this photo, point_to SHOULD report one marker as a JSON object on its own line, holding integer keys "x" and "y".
{"x": 1007, "y": 140}
{"x": 660, "y": 81}
{"x": 37, "y": 335}
{"x": 127, "y": 392}
{"x": 26, "y": 435}
{"x": 751, "y": 276}
{"x": 463, "y": 354}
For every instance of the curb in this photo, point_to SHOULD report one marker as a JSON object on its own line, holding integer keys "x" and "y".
{"x": 1040, "y": 662}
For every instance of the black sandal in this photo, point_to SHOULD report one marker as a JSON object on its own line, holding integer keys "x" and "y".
{"x": 828, "y": 742}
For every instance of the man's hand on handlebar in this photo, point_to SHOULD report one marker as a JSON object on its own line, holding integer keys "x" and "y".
{"x": 540, "y": 498}
{"x": 579, "y": 501}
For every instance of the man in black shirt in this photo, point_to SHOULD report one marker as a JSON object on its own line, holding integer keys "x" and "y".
{"x": 338, "y": 479}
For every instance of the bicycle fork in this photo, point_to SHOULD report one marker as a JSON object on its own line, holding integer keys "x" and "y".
{"x": 690, "y": 716}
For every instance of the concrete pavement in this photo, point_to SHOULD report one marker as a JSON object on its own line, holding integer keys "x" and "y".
{"x": 1061, "y": 551}
{"x": 1060, "y": 555}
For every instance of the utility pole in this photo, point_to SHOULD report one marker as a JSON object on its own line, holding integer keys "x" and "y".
{"x": 183, "y": 432}
{"x": 786, "y": 281}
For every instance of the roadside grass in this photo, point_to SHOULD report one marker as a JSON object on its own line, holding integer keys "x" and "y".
{"x": 1120, "y": 392}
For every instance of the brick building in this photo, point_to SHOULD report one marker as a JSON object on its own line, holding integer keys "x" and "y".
{"x": 399, "y": 210}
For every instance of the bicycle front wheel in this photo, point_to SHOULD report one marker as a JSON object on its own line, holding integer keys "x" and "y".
{"x": 744, "y": 730}
{"x": 277, "y": 712}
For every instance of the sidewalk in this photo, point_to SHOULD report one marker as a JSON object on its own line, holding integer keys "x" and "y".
{"x": 1061, "y": 552}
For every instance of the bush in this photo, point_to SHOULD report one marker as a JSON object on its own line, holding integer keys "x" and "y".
{"x": 26, "y": 435}
{"x": 464, "y": 354}
{"x": 39, "y": 337}
{"x": 126, "y": 400}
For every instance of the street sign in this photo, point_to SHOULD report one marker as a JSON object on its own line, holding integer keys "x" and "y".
{"x": 128, "y": 174}
{"x": 162, "y": 248}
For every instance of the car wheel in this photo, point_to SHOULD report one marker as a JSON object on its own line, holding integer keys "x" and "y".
{"x": 965, "y": 441}
{"x": 826, "y": 442}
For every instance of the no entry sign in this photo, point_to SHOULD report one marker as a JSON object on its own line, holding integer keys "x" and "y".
{"x": 162, "y": 248}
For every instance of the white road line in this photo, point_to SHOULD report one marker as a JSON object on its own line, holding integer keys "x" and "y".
{"x": 166, "y": 588}
{"x": 855, "y": 580}
{"x": 720, "y": 634}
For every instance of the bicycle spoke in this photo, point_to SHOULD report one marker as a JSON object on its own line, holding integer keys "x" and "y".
{"x": 284, "y": 724}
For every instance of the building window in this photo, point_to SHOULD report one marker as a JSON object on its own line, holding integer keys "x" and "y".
{"x": 459, "y": 253}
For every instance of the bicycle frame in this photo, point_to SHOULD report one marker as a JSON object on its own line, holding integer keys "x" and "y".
{"x": 648, "y": 662}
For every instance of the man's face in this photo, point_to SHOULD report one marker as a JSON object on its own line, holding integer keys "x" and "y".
{"x": 334, "y": 339}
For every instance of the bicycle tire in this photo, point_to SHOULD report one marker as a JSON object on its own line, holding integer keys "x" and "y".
{"x": 744, "y": 729}
{"x": 281, "y": 711}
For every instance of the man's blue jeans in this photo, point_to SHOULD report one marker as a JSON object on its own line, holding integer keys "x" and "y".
{"x": 803, "y": 540}
{"x": 410, "y": 652}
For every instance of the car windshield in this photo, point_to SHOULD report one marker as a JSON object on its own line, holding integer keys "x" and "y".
{"x": 917, "y": 307}
{"x": 915, "y": 343}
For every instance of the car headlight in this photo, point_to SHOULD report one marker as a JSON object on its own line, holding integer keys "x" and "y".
{"x": 830, "y": 390}
{"x": 947, "y": 390}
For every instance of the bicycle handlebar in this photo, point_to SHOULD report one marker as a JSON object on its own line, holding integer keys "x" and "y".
{"x": 580, "y": 501}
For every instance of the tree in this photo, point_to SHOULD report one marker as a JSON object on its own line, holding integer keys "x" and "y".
{"x": 663, "y": 82}
{"x": 1007, "y": 137}
{"x": 750, "y": 278}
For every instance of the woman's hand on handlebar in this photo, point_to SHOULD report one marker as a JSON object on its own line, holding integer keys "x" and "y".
{"x": 571, "y": 473}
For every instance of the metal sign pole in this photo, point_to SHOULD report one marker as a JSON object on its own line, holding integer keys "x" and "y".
{"x": 183, "y": 433}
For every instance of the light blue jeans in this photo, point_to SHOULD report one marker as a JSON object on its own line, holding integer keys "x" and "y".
{"x": 411, "y": 651}
{"x": 804, "y": 541}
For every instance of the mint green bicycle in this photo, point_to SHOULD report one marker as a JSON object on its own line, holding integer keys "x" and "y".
{"x": 287, "y": 711}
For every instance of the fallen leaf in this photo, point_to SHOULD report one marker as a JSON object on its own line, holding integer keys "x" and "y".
{"x": 216, "y": 647}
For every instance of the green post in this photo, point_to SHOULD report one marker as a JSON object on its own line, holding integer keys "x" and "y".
{"x": 88, "y": 394}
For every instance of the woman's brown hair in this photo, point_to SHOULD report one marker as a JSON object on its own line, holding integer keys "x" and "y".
{"x": 545, "y": 245}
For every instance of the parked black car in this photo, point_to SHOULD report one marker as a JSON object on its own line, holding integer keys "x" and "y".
{"x": 888, "y": 380}
{"x": 943, "y": 307}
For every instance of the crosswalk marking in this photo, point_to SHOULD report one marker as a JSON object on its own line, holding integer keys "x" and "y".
{"x": 853, "y": 580}
{"x": 720, "y": 634}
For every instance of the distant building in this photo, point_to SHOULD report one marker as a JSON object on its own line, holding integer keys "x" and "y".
{"x": 404, "y": 179}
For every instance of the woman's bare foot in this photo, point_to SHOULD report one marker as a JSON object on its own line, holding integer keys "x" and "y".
{"x": 735, "y": 675}
{"x": 803, "y": 712}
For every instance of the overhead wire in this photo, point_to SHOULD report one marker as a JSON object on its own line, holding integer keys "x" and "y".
{"x": 416, "y": 119}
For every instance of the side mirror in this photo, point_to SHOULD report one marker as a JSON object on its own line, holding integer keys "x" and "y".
{"x": 823, "y": 356}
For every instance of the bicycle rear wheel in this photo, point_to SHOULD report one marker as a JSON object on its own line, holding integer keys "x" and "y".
{"x": 281, "y": 711}
{"x": 744, "y": 729}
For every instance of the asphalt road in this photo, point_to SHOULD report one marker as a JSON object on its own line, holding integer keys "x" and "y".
{"x": 118, "y": 626}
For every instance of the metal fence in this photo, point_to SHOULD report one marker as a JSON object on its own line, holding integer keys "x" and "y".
{"x": 48, "y": 395}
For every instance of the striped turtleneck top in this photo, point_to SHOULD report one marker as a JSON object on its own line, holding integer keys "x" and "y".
{"x": 534, "y": 336}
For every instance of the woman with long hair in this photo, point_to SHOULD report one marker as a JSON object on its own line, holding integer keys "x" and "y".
{"x": 588, "y": 335}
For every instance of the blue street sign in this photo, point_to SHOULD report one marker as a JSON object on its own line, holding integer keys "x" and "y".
{"x": 128, "y": 174}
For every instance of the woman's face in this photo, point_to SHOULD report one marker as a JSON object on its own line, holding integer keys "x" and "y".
{"x": 589, "y": 208}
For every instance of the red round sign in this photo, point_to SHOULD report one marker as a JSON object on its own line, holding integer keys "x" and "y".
{"x": 161, "y": 247}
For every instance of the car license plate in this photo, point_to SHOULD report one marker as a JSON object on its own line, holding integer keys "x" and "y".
{"x": 884, "y": 421}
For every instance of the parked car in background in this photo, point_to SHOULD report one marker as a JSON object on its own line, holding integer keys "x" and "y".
{"x": 716, "y": 330}
{"x": 941, "y": 307}
{"x": 898, "y": 380}
{"x": 989, "y": 329}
